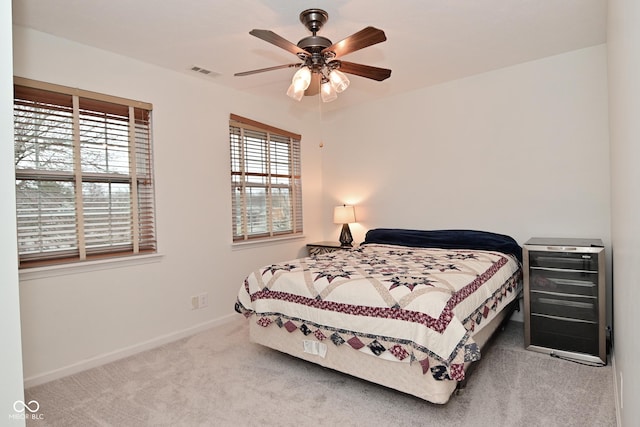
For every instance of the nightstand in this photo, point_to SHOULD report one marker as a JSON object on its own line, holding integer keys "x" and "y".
{"x": 319, "y": 248}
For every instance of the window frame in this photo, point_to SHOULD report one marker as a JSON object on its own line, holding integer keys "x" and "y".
{"x": 135, "y": 231}
{"x": 271, "y": 148}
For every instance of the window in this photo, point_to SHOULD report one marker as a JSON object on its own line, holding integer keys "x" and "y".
{"x": 84, "y": 176}
{"x": 265, "y": 180}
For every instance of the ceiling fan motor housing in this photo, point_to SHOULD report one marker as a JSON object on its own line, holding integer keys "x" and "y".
{"x": 314, "y": 19}
{"x": 314, "y": 44}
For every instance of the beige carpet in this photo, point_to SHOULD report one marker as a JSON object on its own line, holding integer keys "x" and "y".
{"x": 218, "y": 378}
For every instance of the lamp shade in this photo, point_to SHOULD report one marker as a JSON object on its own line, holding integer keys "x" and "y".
{"x": 344, "y": 214}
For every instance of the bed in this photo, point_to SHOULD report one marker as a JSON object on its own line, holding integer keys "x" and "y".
{"x": 407, "y": 309}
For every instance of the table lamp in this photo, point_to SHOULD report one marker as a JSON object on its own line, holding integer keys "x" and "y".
{"x": 344, "y": 215}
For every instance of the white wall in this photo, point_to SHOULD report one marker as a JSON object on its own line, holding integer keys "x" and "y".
{"x": 624, "y": 99}
{"x": 521, "y": 150}
{"x": 74, "y": 321}
{"x": 11, "y": 353}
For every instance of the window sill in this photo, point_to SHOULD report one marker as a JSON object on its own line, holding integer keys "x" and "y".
{"x": 264, "y": 242}
{"x": 87, "y": 266}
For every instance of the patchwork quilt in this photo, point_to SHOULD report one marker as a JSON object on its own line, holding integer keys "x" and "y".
{"x": 407, "y": 304}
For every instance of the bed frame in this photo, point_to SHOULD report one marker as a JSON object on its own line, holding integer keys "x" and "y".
{"x": 405, "y": 377}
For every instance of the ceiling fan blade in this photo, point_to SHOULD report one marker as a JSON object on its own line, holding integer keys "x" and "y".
{"x": 262, "y": 70}
{"x": 367, "y": 71}
{"x": 273, "y": 38}
{"x": 314, "y": 86}
{"x": 363, "y": 38}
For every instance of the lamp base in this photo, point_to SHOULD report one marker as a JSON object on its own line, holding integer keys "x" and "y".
{"x": 345, "y": 236}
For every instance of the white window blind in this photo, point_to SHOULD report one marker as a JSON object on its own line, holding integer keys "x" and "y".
{"x": 265, "y": 180}
{"x": 84, "y": 176}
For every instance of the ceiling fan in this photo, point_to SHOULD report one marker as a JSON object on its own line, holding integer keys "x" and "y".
{"x": 320, "y": 69}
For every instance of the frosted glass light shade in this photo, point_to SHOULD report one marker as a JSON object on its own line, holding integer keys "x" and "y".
{"x": 302, "y": 77}
{"x": 299, "y": 83}
{"x": 295, "y": 92}
{"x": 344, "y": 214}
{"x": 327, "y": 92}
{"x": 338, "y": 80}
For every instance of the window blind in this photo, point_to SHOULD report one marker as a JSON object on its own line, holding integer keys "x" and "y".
{"x": 84, "y": 175}
{"x": 266, "y": 182}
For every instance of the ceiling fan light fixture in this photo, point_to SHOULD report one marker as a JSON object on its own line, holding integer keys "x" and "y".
{"x": 327, "y": 91}
{"x": 338, "y": 80}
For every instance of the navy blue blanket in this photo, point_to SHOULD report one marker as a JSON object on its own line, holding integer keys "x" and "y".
{"x": 445, "y": 239}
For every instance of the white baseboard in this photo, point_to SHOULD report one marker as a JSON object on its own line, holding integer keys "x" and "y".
{"x": 616, "y": 391}
{"x": 103, "y": 359}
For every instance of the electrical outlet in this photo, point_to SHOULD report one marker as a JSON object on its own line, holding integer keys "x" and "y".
{"x": 200, "y": 301}
{"x": 203, "y": 300}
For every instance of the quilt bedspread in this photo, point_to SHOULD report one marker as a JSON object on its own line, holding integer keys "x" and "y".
{"x": 404, "y": 303}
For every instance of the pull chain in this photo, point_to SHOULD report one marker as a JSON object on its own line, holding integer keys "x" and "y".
{"x": 321, "y": 145}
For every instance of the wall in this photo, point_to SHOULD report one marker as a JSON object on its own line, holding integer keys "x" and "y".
{"x": 624, "y": 99}
{"x": 76, "y": 319}
{"x": 11, "y": 354}
{"x": 521, "y": 150}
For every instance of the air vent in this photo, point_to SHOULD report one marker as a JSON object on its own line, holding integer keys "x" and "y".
{"x": 204, "y": 71}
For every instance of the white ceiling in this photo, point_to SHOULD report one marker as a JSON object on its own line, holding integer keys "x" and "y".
{"x": 428, "y": 41}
